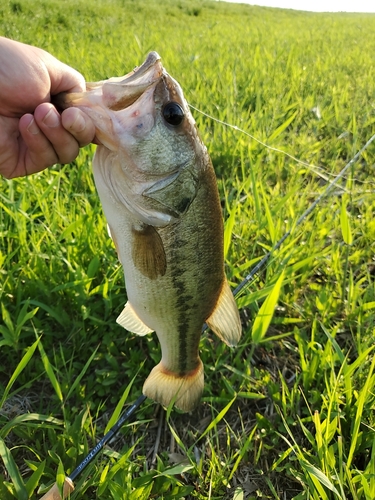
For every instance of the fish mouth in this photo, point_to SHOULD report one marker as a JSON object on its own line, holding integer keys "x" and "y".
{"x": 121, "y": 93}
{"x": 116, "y": 93}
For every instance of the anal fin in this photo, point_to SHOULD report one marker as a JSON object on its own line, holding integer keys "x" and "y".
{"x": 225, "y": 320}
{"x": 131, "y": 322}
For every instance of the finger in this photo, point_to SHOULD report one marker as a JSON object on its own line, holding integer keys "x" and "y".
{"x": 54, "y": 494}
{"x": 79, "y": 125}
{"x": 65, "y": 146}
{"x": 71, "y": 81}
{"x": 9, "y": 147}
{"x": 38, "y": 152}
{"x": 63, "y": 78}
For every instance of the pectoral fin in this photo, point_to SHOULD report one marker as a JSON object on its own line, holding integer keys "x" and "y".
{"x": 111, "y": 234}
{"x": 225, "y": 319}
{"x": 148, "y": 252}
{"x": 131, "y": 322}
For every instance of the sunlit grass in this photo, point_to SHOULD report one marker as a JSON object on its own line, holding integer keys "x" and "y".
{"x": 287, "y": 414}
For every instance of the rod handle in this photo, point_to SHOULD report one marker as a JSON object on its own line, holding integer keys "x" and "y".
{"x": 54, "y": 494}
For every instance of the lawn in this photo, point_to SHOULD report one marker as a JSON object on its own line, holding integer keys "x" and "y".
{"x": 289, "y": 413}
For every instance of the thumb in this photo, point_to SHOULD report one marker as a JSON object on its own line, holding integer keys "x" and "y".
{"x": 62, "y": 77}
{"x": 65, "y": 79}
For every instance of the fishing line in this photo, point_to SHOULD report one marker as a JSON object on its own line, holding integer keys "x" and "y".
{"x": 313, "y": 168}
{"x": 317, "y": 170}
{"x": 305, "y": 214}
{"x": 246, "y": 281}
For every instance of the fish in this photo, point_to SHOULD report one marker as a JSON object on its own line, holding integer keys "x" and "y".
{"x": 159, "y": 194}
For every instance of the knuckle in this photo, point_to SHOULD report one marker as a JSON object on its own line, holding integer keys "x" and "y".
{"x": 66, "y": 153}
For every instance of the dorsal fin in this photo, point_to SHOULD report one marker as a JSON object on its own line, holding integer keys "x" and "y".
{"x": 225, "y": 320}
{"x": 131, "y": 322}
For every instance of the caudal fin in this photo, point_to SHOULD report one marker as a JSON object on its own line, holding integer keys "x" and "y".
{"x": 164, "y": 386}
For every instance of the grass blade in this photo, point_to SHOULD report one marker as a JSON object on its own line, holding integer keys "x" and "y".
{"x": 271, "y": 225}
{"x": 51, "y": 374}
{"x": 317, "y": 474}
{"x": 116, "y": 414}
{"x": 20, "y": 367}
{"x": 28, "y": 417}
{"x": 282, "y": 127}
{"x": 218, "y": 418}
{"x": 345, "y": 224}
{"x": 228, "y": 230}
{"x": 83, "y": 371}
{"x": 33, "y": 481}
{"x": 366, "y": 389}
{"x": 13, "y": 471}
{"x": 264, "y": 316}
{"x": 242, "y": 452}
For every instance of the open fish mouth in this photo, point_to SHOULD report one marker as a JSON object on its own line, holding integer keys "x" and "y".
{"x": 118, "y": 92}
{"x": 125, "y": 91}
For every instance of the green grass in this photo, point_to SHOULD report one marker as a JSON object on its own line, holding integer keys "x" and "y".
{"x": 290, "y": 412}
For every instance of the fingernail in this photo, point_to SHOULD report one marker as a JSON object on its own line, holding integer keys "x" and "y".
{"x": 51, "y": 119}
{"x": 33, "y": 127}
{"x": 79, "y": 123}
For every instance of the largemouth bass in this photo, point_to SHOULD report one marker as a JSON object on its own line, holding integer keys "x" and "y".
{"x": 158, "y": 190}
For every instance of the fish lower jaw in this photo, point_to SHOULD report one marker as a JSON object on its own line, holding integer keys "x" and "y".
{"x": 166, "y": 387}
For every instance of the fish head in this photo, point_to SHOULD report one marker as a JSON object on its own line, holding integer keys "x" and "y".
{"x": 105, "y": 101}
{"x": 150, "y": 120}
{"x": 145, "y": 120}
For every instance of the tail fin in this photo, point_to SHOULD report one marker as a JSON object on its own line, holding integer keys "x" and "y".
{"x": 164, "y": 386}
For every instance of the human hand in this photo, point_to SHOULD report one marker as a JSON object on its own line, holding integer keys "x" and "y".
{"x": 29, "y": 143}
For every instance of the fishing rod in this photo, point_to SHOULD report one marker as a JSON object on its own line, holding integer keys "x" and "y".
{"x": 305, "y": 214}
{"x": 68, "y": 486}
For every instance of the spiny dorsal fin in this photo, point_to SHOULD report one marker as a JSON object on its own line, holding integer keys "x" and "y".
{"x": 225, "y": 319}
{"x": 148, "y": 252}
{"x": 130, "y": 321}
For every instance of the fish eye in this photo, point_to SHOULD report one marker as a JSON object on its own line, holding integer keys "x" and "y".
{"x": 173, "y": 113}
